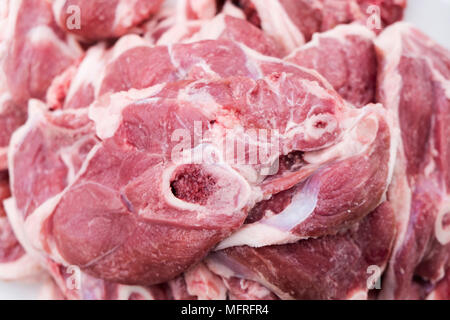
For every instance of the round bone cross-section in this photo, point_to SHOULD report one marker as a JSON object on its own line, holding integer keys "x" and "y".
{"x": 137, "y": 214}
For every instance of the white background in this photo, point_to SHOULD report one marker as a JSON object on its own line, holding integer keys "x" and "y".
{"x": 430, "y": 16}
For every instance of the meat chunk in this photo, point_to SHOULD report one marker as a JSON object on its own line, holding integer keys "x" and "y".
{"x": 413, "y": 84}
{"x": 92, "y": 20}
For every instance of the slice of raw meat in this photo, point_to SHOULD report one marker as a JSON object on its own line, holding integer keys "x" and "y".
{"x": 414, "y": 85}
{"x": 14, "y": 262}
{"x": 346, "y": 57}
{"x": 37, "y": 50}
{"x": 349, "y": 179}
{"x": 293, "y": 22}
{"x": 156, "y": 217}
{"x": 160, "y": 217}
{"x": 331, "y": 267}
{"x": 93, "y": 20}
{"x": 224, "y": 26}
{"x": 33, "y": 50}
{"x": 134, "y": 63}
{"x": 56, "y": 145}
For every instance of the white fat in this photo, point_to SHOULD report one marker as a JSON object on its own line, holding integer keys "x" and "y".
{"x": 276, "y": 22}
{"x": 302, "y": 206}
{"x": 107, "y": 111}
{"x": 178, "y": 32}
{"x": 258, "y": 235}
{"x": 211, "y": 30}
{"x": 442, "y": 234}
{"x": 23, "y": 268}
{"x": 231, "y": 10}
{"x": 93, "y": 63}
{"x": 57, "y": 8}
{"x": 358, "y": 295}
{"x": 126, "y": 43}
{"x": 219, "y": 268}
{"x": 276, "y": 229}
{"x": 43, "y": 33}
{"x": 124, "y": 292}
{"x": 14, "y": 7}
{"x": 125, "y": 14}
{"x": 390, "y": 43}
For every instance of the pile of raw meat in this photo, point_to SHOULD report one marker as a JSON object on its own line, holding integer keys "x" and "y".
{"x": 203, "y": 149}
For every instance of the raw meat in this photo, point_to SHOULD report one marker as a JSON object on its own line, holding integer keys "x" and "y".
{"x": 14, "y": 262}
{"x": 203, "y": 149}
{"x": 36, "y": 52}
{"x": 76, "y": 285}
{"x": 414, "y": 84}
{"x": 293, "y": 22}
{"x": 316, "y": 268}
{"x": 203, "y": 202}
{"x": 346, "y": 57}
{"x": 102, "y": 19}
{"x": 33, "y": 50}
{"x": 117, "y": 68}
{"x": 332, "y": 189}
{"x": 442, "y": 289}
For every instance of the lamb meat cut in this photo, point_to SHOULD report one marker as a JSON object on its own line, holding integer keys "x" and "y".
{"x": 413, "y": 84}
{"x": 15, "y": 263}
{"x": 315, "y": 268}
{"x": 92, "y": 20}
{"x": 223, "y": 149}
{"x": 37, "y": 50}
{"x": 346, "y": 57}
{"x": 133, "y": 63}
{"x": 293, "y": 22}
{"x": 332, "y": 189}
{"x": 150, "y": 236}
{"x": 33, "y": 50}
